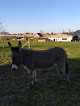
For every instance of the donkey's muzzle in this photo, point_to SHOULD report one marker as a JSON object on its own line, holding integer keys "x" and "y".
{"x": 14, "y": 67}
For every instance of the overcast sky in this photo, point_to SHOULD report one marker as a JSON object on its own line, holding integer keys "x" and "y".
{"x": 20, "y": 16}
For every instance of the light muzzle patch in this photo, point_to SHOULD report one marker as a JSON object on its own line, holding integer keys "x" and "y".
{"x": 14, "y": 66}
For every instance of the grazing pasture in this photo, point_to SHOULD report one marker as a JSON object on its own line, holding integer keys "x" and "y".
{"x": 13, "y": 84}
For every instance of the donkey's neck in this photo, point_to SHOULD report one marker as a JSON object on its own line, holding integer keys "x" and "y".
{"x": 26, "y": 54}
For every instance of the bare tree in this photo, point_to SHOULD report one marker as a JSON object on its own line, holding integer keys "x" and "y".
{"x": 2, "y": 32}
{"x": 0, "y": 24}
{"x": 41, "y": 31}
{"x": 3, "y": 37}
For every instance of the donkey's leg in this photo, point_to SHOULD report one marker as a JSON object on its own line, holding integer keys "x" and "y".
{"x": 67, "y": 78}
{"x": 35, "y": 80}
{"x": 61, "y": 72}
{"x": 60, "y": 76}
{"x": 32, "y": 77}
{"x": 67, "y": 73}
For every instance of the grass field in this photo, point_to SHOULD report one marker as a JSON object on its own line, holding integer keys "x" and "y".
{"x": 13, "y": 84}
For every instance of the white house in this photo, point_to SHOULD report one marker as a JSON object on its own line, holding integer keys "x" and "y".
{"x": 60, "y": 37}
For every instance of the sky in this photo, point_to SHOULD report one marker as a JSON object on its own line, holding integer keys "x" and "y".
{"x": 33, "y": 16}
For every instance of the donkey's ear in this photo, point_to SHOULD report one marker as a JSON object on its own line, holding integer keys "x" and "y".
{"x": 10, "y": 45}
{"x": 19, "y": 45}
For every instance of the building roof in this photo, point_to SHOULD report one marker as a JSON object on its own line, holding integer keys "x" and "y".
{"x": 29, "y": 35}
{"x": 59, "y": 36}
{"x": 40, "y": 34}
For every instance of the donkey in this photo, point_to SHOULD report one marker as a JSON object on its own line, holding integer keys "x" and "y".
{"x": 43, "y": 59}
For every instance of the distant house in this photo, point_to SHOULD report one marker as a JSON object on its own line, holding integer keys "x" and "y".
{"x": 38, "y": 35}
{"x": 17, "y": 37}
{"x": 60, "y": 37}
{"x": 43, "y": 40}
{"x": 31, "y": 36}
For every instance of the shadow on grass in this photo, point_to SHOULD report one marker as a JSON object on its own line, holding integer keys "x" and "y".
{"x": 74, "y": 64}
{"x": 14, "y": 91}
{"x": 12, "y": 83}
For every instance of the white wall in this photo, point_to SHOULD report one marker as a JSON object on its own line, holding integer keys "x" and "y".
{"x": 61, "y": 39}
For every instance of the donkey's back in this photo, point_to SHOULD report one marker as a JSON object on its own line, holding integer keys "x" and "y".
{"x": 45, "y": 59}
{"x": 48, "y": 58}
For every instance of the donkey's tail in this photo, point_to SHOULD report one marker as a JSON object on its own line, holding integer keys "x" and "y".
{"x": 67, "y": 71}
{"x": 67, "y": 66}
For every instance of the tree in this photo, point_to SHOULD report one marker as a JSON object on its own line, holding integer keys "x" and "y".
{"x": 3, "y": 38}
{"x": 41, "y": 31}
{"x": 3, "y": 32}
{"x": 0, "y": 24}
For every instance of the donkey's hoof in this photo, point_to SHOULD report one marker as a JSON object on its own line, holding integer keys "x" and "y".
{"x": 58, "y": 82}
{"x": 30, "y": 86}
{"x": 67, "y": 82}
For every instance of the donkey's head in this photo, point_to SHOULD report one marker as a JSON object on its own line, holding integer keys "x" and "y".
{"x": 16, "y": 55}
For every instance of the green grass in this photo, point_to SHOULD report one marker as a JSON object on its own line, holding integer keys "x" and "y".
{"x": 14, "y": 84}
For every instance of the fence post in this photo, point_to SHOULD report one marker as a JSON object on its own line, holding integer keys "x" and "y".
{"x": 29, "y": 43}
{"x": 3, "y": 42}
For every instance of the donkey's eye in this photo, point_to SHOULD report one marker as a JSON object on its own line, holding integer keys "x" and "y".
{"x": 15, "y": 57}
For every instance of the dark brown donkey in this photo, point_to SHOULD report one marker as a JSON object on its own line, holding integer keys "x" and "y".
{"x": 44, "y": 59}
